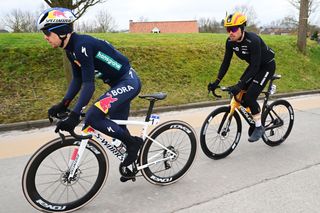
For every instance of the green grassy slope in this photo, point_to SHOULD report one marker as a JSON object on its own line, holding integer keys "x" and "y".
{"x": 180, "y": 64}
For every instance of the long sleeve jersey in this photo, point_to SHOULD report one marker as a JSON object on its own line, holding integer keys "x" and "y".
{"x": 252, "y": 49}
{"x": 89, "y": 56}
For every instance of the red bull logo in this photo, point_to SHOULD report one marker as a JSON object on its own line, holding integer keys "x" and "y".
{"x": 89, "y": 129}
{"x": 56, "y": 14}
{"x": 105, "y": 104}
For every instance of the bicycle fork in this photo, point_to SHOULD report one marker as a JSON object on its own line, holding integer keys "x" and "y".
{"x": 224, "y": 127}
{"x": 76, "y": 157}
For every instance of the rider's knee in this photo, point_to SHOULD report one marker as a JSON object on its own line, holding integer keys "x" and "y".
{"x": 247, "y": 101}
{"x": 252, "y": 103}
{"x": 93, "y": 115}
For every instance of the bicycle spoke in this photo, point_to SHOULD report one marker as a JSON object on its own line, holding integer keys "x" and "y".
{"x": 83, "y": 178}
{"x": 63, "y": 158}
{"x": 74, "y": 192}
{"x": 61, "y": 194}
{"x": 50, "y": 182}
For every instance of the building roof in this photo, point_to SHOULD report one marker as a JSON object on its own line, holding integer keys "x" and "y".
{"x": 164, "y": 26}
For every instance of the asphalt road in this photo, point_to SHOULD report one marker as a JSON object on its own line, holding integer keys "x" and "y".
{"x": 254, "y": 178}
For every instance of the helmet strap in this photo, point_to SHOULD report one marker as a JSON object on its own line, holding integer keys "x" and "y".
{"x": 241, "y": 37}
{"x": 62, "y": 38}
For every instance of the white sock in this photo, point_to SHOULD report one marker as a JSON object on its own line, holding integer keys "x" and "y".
{"x": 258, "y": 123}
{"x": 257, "y": 119}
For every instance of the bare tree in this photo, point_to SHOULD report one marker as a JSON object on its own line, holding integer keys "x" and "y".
{"x": 312, "y": 5}
{"x": 84, "y": 26}
{"x": 78, "y": 6}
{"x": 249, "y": 12}
{"x": 13, "y": 20}
{"x": 306, "y": 8}
{"x": 207, "y": 25}
{"x": 28, "y": 22}
{"x": 20, "y": 21}
{"x": 105, "y": 22}
{"x": 288, "y": 22}
{"x": 303, "y": 25}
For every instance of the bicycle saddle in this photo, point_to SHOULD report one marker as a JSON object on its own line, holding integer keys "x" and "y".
{"x": 154, "y": 96}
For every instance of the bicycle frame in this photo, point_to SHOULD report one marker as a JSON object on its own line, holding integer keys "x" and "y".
{"x": 75, "y": 160}
{"x": 235, "y": 104}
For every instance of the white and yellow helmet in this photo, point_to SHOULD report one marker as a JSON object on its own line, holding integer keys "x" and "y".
{"x": 57, "y": 20}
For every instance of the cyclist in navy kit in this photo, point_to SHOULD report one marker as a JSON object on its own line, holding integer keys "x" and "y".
{"x": 249, "y": 47}
{"x": 90, "y": 58}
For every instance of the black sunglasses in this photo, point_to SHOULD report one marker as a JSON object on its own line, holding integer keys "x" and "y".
{"x": 232, "y": 29}
{"x": 46, "y": 32}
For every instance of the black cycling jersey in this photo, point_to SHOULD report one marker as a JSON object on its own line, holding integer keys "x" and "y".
{"x": 252, "y": 49}
{"x": 88, "y": 57}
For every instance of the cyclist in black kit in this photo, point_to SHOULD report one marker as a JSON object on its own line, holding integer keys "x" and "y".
{"x": 249, "y": 47}
{"x": 90, "y": 58}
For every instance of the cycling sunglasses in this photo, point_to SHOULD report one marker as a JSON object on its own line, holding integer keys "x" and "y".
{"x": 46, "y": 32}
{"x": 232, "y": 29}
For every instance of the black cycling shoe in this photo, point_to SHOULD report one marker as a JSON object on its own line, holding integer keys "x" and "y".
{"x": 132, "y": 150}
{"x": 256, "y": 134}
{"x": 126, "y": 174}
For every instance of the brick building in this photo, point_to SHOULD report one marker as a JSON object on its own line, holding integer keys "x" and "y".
{"x": 164, "y": 27}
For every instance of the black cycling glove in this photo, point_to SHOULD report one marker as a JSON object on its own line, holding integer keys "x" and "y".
{"x": 68, "y": 124}
{"x": 213, "y": 85}
{"x": 58, "y": 108}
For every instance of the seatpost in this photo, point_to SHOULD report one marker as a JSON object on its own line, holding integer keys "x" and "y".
{"x": 267, "y": 95}
{"x": 152, "y": 101}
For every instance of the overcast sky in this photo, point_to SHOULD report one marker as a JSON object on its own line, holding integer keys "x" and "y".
{"x": 159, "y": 10}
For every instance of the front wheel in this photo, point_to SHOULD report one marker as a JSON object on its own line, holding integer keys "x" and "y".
{"x": 45, "y": 181}
{"x": 220, "y": 133}
{"x": 168, "y": 152}
{"x": 278, "y": 120}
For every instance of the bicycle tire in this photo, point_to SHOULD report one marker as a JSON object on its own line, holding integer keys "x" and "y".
{"x": 209, "y": 136}
{"x": 283, "y": 121}
{"x": 36, "y": 174}
{"x": 177, "y": 136}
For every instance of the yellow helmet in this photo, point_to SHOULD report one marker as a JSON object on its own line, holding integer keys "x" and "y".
{"x": 235, "y": 19}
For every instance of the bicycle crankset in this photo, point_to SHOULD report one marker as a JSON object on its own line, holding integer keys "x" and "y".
{"x": 127, "y": 174}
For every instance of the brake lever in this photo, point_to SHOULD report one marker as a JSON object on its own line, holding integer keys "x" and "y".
{"x": 50, "y": 119}
{"x": 62, "y": 136}
{"x": 215, "y": 94}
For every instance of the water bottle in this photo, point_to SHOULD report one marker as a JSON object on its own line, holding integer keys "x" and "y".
{"x": 119, "y": 146}
{"x": 273, "y": 89}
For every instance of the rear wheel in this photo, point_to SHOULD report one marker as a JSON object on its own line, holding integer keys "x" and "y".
{"x": 219, "y": 135}
{"x": 278, "y": 120}
{"x": 45, "y": 181}
{"x": 169, "y": 151}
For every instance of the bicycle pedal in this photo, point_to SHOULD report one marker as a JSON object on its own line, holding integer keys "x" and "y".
{"x": 125, "y": 179}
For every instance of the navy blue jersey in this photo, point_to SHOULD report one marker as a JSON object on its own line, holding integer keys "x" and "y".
{"x": 90, "y": 56}
{"x": 252, "y": 49}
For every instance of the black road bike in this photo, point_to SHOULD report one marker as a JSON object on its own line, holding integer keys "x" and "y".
{"x": 221, "y": 130}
